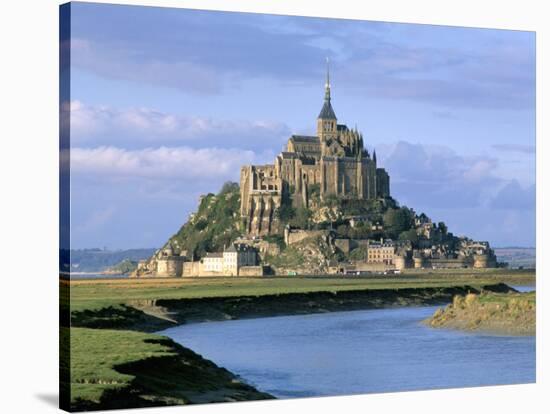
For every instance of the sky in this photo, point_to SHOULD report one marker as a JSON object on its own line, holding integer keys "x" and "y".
{"x": 167, "y": 104}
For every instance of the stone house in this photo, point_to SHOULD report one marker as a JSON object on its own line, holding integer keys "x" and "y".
{"x": 381, "y": 252}
{"x": 231, "y": 260}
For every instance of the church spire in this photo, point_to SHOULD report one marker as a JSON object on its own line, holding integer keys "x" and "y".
{"x": 327, "y": 84}
{"x": 374, "y": 155}
{"x": 326, "y": 111}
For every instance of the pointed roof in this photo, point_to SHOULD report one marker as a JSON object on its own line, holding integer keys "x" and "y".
{"x": 326, "y": 111}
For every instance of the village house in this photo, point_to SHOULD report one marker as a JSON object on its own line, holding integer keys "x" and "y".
{"x": 382, "y": 251}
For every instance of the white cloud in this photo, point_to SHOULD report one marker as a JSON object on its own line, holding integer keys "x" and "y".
{"x": 436, "y": 176}
{"x": 160, "y": 163}
{"x": 134, "y": 126}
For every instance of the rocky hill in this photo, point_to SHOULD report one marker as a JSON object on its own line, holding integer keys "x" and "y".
{"x": 311, "y": 256}
{"x": 215, "y": 224}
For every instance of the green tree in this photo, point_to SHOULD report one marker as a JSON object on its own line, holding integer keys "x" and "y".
{"x": 228, "y": 187}
{"x": 342, "y": 231}
{"x": 285, "y": 213}
{"x": 331, "y": 201}
{"x": 409, "y": 235}
{"x": 301, "y": 218}
{"x": 397, "y": 220}
{"x": 314, "y": 190}
{"x": 361, "y": 231}
{"x": 201, "y": 224}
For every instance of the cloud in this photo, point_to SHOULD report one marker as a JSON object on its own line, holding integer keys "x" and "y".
{"x": 221, "y": 49}
{"x": 466, "y": 192}
{"x": 513, "y": 196}
{"x": 145, "y": 127}
{"x": 181, "y": 163}
{"x": 457, "y": 90}
{"x": 121, "y": 63}
{"x": 517, "y": 148}
{"x": 437, "y": 177}
{"x": 212, "y": 52}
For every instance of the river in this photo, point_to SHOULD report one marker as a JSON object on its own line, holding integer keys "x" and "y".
{"x": 358, "y": 352}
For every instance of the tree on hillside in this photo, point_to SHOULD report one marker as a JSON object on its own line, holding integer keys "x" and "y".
{"x": 285, "y": 213}
{"x": 331, "y": 200}
{"x": 301, "y": 218}
{"x": 409, "y": 235}
{"x": 228, "y": 187}
{"x": 397, "y": 220}
{"x": 342, "y": 231}
{"x": 361, "y": 231}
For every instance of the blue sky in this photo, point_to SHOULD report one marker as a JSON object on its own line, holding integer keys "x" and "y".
{"x": 167, "y": 104}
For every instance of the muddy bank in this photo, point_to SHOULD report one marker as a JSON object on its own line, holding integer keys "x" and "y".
{"x": 496, "y": 313}
{"x": 155, "y": 315}
{"x": 181, "y": 378}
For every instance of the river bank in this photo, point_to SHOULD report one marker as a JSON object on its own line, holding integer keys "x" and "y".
{"x": 151, "y": 315}
{"x": 509, "y": 313}
{"x": 125, "y": 369}
{"x": 106, "y": 311}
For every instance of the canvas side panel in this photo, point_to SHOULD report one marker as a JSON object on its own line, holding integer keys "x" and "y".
{"x": 64, "y": 205}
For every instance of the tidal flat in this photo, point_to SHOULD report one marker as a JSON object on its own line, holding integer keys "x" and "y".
{"x": 120, "y": 315}
{"x": 511, "y": 313}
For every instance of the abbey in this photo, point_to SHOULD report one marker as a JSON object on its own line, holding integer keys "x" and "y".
{"x": 326, "y": 208}
{"x": 332, "y": 163}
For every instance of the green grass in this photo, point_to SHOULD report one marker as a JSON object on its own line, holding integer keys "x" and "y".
{"x": 506, "y": 298}
{"x": 104, "y": 293}
{"x": 504, "y": 313}
{"x": 289, "y": 257}
{"x": 123, "y": 369}
{"x": 95, "y": 353}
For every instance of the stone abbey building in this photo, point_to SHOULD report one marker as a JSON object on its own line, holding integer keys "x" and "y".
{"x": 332, "y": 163}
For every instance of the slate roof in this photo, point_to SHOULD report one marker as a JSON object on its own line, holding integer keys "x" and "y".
{"x": 214, "y": 254}
{"x": 305, "y": 138}
{"x": 326, "y": 111}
